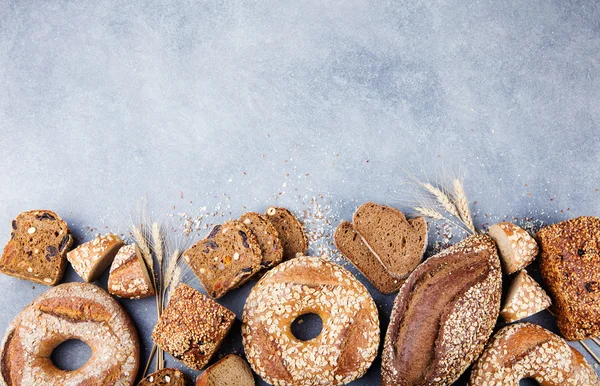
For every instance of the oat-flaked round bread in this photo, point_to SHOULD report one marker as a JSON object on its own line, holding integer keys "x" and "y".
{"x": 70, "y": 311}
{"x": 526, "y": 350}
{"x": 347, "y": 344}
{"x": 443, "y": 315}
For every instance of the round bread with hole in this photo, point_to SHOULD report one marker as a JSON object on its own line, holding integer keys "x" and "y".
{"x": 70, "y": 311}
{"x": 347, "y": 343}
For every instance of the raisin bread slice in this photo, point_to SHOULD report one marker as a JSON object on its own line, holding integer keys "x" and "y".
{"x": 291, "y": 232}
{"x": 164, "y": 377}
{"x": 91, "y": 259}
{"x": 37, "y": 248}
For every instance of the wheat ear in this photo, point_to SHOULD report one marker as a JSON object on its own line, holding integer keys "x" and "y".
{"x": 462, "y": 204}
{"x": 435, "y": 215}
{"x": 142, "y": 243}
{"x": 442, "y": 198}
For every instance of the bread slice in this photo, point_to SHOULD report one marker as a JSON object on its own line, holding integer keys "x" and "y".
{"x": 398, "y": 243}
{"x": 267, "y": 237}
{"x": 525, "y": 298}
{"x": 229, "y": 371}
{"x": 443, "y": 315}
{"x": 91, "y": 259}
{"x": 129, "y": 276}
{"x": 164, "y": 377}
{"x": 291, "y": 232}
{"x": 192, "y": 327}
{"x": 349, "y": 242}
{"x": 225, "y": 259}
{"x": 517, "y": 248}
{"x": 37, "y": 248}
{"x": 571, "y": 271}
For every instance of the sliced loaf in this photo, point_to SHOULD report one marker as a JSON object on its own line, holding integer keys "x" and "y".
{"x": 229, "y": 371}
{"x": 291, "y": 232}
{"x": 164, "y": 377}
{"x": 267, "y": 237}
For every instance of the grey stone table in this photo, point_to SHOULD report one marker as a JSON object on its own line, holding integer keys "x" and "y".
{"x": 211, "y": 108}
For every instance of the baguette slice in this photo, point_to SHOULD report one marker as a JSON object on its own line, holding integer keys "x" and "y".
{"x": 129, "y": 276}
{"x": 517, "y": 248}
{"x": 349, "y": 242}
{"x": 91, "y": 259}
{"x": 291, "y": 232}
{"x": 229, "y": 371}
{"x": 525, "y": 298}
{"x": 398, "y": 243}
{"x": 164, "y": 377}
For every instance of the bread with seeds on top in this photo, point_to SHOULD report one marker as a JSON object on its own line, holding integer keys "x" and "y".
{"x": 516, "y": 247}
{"x": 164, "y": 377}
{"x": 525, "y": 298}
{"x": 128, "y": 277}
{"x": 91, "y": 259}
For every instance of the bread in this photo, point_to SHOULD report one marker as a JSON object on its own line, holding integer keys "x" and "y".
{"x": 267, "y": 237}
{"x": 91, "y": 259}
{"x": 571, "y": 271}
{"x": 527, "y": 351}
{"x": 229, "y": 371}
{"x": 525, "y": 298}
{"x": 290, "y": 230}
{"x": 352, "y": 246}
{"x": 225, "y": 259}
{"x": 37, "y": 248}
{"x": 164, "y": 377}
{"x": 192, "y": 327}
{"x": 398, "y": 243}
{"x": 517, "y": 248}
{"x": 443, "y": 315}
{"x": 79, "y": 311}
{"x": 129, "y": 276}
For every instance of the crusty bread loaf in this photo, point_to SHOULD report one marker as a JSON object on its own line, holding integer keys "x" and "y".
{"x": 516, "y": 247}
{"x": 349, "y": 242}
{"x": 525, "y": 298}
{"x": 37, "y": 248}
{"x": 225, "y": 259}
{"x": 164, "y": 377}
{"x": 290, "y": 230}
{"x": 192, "y": 327}
{"x": 229, "y": 371}
{"x": 571, "y": 271}
{"x": 129, "y": 276}
{"x": 398, "y": 243}
{"x": 528, "y": 351}
{"x": 267, "y": 237}
{"x": 91, "y": 259}
{"x": 443, "y": 315}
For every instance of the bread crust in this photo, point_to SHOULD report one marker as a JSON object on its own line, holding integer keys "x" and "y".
{"x": 70, "y": 311}
{"x": 443, "y": 315}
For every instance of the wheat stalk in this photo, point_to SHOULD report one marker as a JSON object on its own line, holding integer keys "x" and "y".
{"x": 142, "y": 243}
{"x": 443, "y": 198}
{"x": 462, "y": 204}
{"x": 435, "y": 215}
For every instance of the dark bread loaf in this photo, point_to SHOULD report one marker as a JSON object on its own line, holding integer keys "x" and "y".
{"x": 229, "y": 371}
{"x": 37, "y": 248}
{"x": 225, "y": 259}
{"x": 291, "y": 232}
{"x": 398, "y": 243}
{"x": 164, "y": 377}
{"x": 570, "y": 266}
{"x": 192, "y": 327}
{"x": 267, "y": 237}
{"x": 443, "y": 315}
{"x": 349, "y": 242}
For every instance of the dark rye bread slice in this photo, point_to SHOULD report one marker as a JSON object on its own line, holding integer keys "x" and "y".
{"x": 291, "y": 232}
{"x": 164, "y": 377}
{"x": 349, "y": 242}
{"x": 398, "y": 243}
{"x": 225, "y": 259}
{"x": 267, "y": 236}
{"x": 37, "y": 248}
{"x": 443, "y": 315}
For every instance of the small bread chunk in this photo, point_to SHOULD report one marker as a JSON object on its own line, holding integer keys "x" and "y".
{"x": 352, "y": 246}
{"x": 291, "y": 232}
{"x": 397, "y": 242}
{"x": 267, "y": 237}
{"x": 192, "y": 327}
{"x": 164, "y": 377}
{"x": 571, "y": 271}
{"x": 91, "y": 259}
{"x": 128, "y": 276}
{"x": 517, "y": 248}
{"x": 525, "y": 298}
{"x": 229, "y": 371}
{"x": 37, "y": 248}
{"x": 225, "y": 259}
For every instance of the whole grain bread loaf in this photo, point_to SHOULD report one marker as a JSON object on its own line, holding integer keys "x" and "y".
{"x": 229, "y": 371}
{"x": 37, "y": 248}
{"x": 290, "y": 230}
{"x": 349, "y": 242}
{"x": 570, "y": 268}
{"x": 398, "y": 243}
{"x": 267, "y": 237}
{"x": 443, "y": 315}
